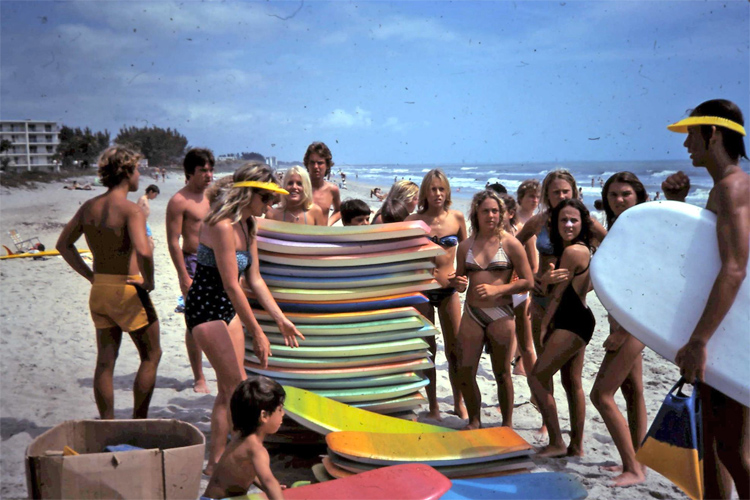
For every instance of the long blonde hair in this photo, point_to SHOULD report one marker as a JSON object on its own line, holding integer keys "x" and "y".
{"x": 424, "y": 189}
{"x": 230, "y": 201}
{"x": 403, "y": 190}
{"x": 307, "y": 193}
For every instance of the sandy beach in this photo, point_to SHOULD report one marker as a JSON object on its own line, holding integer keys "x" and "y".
{"x": 49, "y": 351}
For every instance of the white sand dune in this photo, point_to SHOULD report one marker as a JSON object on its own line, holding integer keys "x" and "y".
{"x": 48, "y": 352}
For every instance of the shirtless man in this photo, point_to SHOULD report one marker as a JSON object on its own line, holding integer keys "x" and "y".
{"x": 122, "y": 277}
{"x": 715, "y": 129}
{"x": 318, "y": 161}
{"x": 151, "y": 192}
{"x": 185, "y": 213}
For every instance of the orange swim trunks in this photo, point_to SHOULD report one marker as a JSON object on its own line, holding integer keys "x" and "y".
{"x": 115, "y": 303}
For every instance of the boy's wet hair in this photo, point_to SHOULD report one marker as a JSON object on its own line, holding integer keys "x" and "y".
{"x": 352, "y": 208}
{"x": 320, "y": 149}
{"x": 117, "y": 163}
{"x": 252, "y": 396}
{"x": 197, "y": 157}
{"x": 733, "y": 142}
{"x": 554, "y": 228}
{"x": 153, "y": 188}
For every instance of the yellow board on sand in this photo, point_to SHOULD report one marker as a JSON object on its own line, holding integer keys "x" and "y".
{"x": 436, "y": 449}
{"x": 46, "y": 253}
{"x": 324, "y": 415}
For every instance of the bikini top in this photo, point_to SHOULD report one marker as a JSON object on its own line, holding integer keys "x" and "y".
{"x": 544, "y": 244}
{"x": 207, "y": 257}
{"x": 500, "y": 262}
{"x": 446, "y": 241}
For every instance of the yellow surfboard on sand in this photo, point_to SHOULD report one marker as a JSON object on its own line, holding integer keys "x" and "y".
{"x": 46, "y": 253}
{"x": 441, "y": 448}
{"x": 325, "y": 415}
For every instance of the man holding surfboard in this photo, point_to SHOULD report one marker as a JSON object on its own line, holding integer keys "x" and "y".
{"x": 715, "y": 141}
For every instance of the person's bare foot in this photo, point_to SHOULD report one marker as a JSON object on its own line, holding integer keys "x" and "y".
{"x": 575, "y": 451}
{"x": 434, "y": 414}
{"x": 551, "y": 451}
{"x": 200, "y": 386}
{"x": 472, "y": 426}
{"x": 628, "y": 479}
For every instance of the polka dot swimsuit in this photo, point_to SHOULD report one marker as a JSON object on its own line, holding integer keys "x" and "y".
{"x": 207, "y": 300}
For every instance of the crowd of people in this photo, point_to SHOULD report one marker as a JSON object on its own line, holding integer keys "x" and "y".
{"x": 523, "y": 264}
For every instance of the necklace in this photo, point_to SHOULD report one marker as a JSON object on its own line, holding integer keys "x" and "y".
{"x": 296, "y": 217}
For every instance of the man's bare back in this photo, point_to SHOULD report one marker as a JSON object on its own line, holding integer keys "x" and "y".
{"x": 105, "y": 221}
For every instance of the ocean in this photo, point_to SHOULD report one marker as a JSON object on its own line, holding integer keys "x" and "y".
{"x": 468, "y": 179}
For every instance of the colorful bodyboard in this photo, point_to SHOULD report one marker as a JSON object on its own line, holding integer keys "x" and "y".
{"x": 536, "y": 486}
{"x": 378, "y": 232}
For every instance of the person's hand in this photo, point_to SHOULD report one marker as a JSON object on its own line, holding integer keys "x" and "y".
{"x": 691, "y": 360}
{"x": 460, "y": 283}
{"x": 676, "y": 186}
{"x": 486, "y": 291}
{"x": 261, "y": 348}
{"x": 141, "y": 282}
{"x": 290, "y": 332}
{"x": 554, "y": 276}
{"x": 615, "y": 339}
{"x": 185, "y": 286}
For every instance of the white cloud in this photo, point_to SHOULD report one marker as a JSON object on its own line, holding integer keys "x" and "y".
{"x": 340, "y": 118}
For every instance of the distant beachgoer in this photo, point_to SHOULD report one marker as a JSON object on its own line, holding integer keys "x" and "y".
{"x": 377, "y": 193}
{"x": 257, "y": 408}
{"x": 580, "y": 193}
{"x": 403, "y": 196}
{"x": 714, "y": 141}
{"x": 318, "y": 161}
{"x": 216, "y": 306}
{"x": 78, "y": 187}
{"x": 658, "y": 195}
{"x": 343, "y": 180}
{"x": 622, "y": 366}
{"x": 151, "y": 192}
{"x": 123, "y": 276}
{"x": 355, "y": 213}
{"x": 297, "y": 207}
{"x": 567, "y": 327}
{"x": 164, "y": 175}
{"x": 489, "y": 257}
{"x": 497, "y": 187}
{"x": 447, "y": 229}
{"x": 592, "y": 182}
{"x": 185, "y": 213}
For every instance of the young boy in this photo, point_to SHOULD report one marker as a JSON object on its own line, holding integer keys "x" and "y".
{"x": 257, "y": 407}
{"x": 355, "y": 213}
{"x": 151, "y": 192}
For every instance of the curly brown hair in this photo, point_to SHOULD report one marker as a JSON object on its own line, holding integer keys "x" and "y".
{"x": 117, "y": 163}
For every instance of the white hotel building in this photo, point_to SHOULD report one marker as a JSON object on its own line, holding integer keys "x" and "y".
{"x": 34, "y": 144}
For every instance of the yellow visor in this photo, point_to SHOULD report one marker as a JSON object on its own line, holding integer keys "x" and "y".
{"x": 268, "y": 186}
{"x": 682, "y": 125}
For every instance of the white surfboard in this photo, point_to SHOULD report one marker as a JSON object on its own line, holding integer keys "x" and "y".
{"x": 654, "y": 272}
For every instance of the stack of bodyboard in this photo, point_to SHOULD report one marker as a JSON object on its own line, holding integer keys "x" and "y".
{"x": 350, "y": 292}
{"x": 360, "y": 440}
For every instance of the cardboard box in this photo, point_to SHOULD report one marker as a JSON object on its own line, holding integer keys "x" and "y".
{"x": 169, "y": 466}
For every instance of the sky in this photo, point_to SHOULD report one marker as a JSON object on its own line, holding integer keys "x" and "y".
{"x": 405, "y": 82}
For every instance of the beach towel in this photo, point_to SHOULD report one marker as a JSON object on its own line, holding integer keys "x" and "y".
{"x": 674, "y": 446}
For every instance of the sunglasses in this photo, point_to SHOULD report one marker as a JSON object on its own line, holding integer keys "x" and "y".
{"x": 267, "y": 197}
